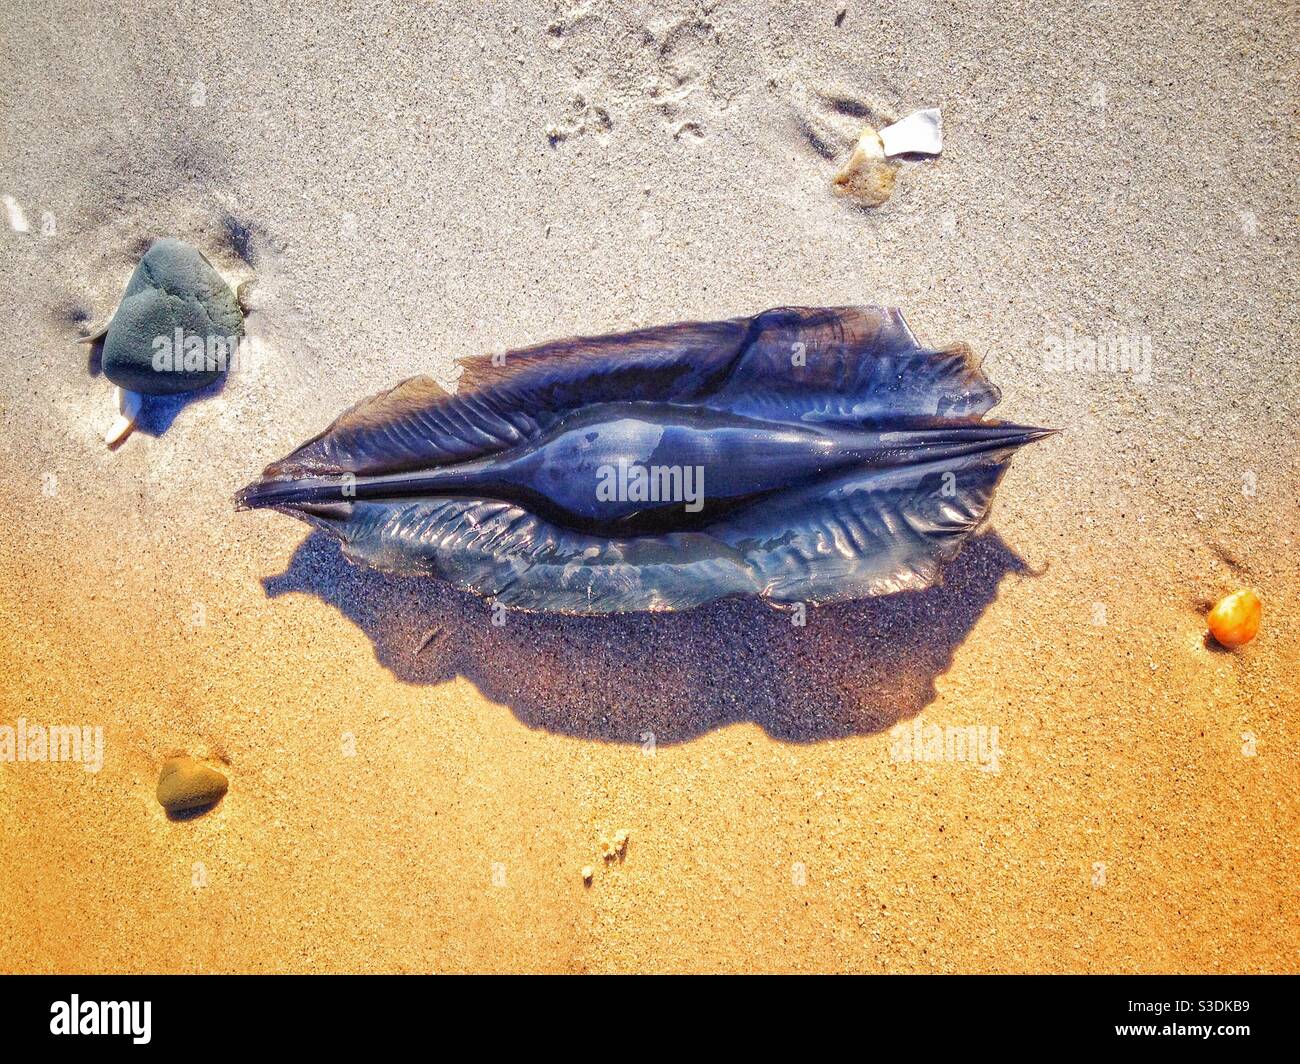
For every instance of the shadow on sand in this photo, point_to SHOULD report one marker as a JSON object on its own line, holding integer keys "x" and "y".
{"x": 854, "y": 668}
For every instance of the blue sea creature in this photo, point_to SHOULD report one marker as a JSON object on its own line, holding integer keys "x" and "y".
{"x": 800, "y": 455}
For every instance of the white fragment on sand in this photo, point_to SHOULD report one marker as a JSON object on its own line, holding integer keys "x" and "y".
{"x": 128, "y": 409}
{"x": 17, "y": 220}
{"x": 588, "y": 873}
{"x": 615, "y": 849}
{"x": 920, "y": 133}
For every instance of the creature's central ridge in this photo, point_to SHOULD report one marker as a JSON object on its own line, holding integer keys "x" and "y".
{"x": 650, "y": 467}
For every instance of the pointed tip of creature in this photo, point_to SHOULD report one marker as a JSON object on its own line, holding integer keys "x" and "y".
{"x": 252, "y": 497}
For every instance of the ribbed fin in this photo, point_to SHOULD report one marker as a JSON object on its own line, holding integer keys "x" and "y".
{"x": 511, "y": 556}
{"x": 849, "y": 365}
{"x": 497, "y": 406}
{"x": 872, "y": 532}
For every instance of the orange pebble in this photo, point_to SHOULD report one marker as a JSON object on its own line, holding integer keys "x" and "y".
{"x": 1235, "y": 618}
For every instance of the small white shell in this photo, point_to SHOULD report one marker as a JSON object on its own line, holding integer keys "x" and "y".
{"x": 128, "y": 407}
{"x": 14, "y": 213}
{"x": 98, "y": 334}
{"x": 920, "y": 133}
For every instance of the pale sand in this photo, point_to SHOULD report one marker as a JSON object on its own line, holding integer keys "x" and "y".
{"x": 1126, "y": 168}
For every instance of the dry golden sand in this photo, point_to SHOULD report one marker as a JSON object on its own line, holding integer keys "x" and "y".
{"x": 387, "y": 170}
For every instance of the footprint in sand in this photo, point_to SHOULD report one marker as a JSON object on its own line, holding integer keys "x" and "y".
{"x": 580, "y": 116}
{"x": 684, "y": 53}
{"x": 828, "y": 121}
{"x": 669, "y": 66}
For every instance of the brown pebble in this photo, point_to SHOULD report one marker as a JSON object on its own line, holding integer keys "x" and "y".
{"x": 867, "y": 176}
{"x": 184, "y": 785}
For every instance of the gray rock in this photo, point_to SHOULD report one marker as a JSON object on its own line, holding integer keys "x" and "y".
{"x": 173, "y": 288}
